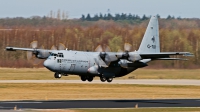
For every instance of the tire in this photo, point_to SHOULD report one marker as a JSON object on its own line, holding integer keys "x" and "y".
{"x": 109, "y": 79}
{"x": 83, "y": 78}
{"x": 90, "y": 78}
{"x": 103, "y": 79}
{"x": 57, "y": 75}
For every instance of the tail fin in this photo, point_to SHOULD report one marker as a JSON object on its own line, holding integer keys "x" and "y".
{"x": 150, "y": 42}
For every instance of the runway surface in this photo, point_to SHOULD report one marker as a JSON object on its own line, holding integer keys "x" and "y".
{"x": 131, "y": 81}
{"x": 66, "y": 104}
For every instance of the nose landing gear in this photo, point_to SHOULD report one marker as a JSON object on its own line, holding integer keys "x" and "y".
{"x": 57, "y": 75}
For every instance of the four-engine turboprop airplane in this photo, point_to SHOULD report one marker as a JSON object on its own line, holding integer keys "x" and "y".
{"x": 104, "y": 64}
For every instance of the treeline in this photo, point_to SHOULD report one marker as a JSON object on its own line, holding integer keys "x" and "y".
{"x": 122, "y": 16}
{"x": 61, "y": 19}
{"x": 175, "y": 35}
{"x": 109, "y": 16}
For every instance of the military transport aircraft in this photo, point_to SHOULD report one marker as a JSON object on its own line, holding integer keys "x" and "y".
{"x": 103, "y": 63}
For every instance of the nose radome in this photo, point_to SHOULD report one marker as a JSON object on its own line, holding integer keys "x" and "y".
{"x": 49, "y": 64}
{"x": 45, "y": 63}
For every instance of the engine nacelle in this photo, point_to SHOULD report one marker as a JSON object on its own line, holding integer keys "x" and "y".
{"x": 124, "y": 63}
{"x": 137, "y": 64}
{"x": 93, "y": 69}
{"x": 134, "y": 56}
{"x": 42, "y": 54}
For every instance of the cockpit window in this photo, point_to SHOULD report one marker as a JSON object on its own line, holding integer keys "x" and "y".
{"x": 57, "y": 55}
{"x": 53, "y": 54}
{"x": 60, "y": 55}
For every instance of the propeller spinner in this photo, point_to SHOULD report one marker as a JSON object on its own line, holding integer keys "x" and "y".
{"x": 131, "y": 56}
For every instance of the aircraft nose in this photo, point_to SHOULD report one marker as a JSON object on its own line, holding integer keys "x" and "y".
{"x": 45, "y": 63}
{"x": 48, "y": 64}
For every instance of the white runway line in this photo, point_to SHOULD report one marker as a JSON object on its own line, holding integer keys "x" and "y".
{"x": 131, "y": 81}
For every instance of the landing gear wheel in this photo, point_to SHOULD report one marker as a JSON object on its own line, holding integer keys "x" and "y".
{"x": 83, "y": 78}
{"x": 103, "y": 79}
{"x": 109, "y": 79}
{"x": 57, "y": 75}
{"x": 90, "y": 78}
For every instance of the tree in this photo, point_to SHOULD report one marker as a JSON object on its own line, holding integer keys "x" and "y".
{"x": 95, "y": 18}
{"x": 130, "y": 16}
{"x": 88, "y": 18}
{"x": 100, "y": 16}
{"x": 110, "y": 17}
{"x": 169, "y": 17}
{"x": 83, "y": 17}
{"x": 144, "y": 17}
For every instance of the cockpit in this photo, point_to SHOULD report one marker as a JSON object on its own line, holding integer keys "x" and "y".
{"x": 57, "y": 55}
{"x": 53, "y": 54}
{"x": 60, "y": 55}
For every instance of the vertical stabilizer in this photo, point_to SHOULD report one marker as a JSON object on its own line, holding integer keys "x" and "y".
{"x": 150, "y": 42}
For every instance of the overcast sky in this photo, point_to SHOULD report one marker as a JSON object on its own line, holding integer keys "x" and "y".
{"x": 75, "y": 8}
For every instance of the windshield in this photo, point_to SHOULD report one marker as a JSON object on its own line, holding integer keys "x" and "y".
{"x": 53, "y": 54}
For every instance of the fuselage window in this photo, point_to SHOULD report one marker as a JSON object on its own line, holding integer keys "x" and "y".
{"x": 58, "y": 60}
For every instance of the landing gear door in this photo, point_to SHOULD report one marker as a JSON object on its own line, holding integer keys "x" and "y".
{"x": 72, "y": 67}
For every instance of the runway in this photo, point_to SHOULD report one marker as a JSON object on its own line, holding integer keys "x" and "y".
{"x": 72, "y": 104}
{"x": 127, "y": 81}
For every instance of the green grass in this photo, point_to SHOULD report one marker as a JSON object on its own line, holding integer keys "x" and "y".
{"x": 44, "y": 74}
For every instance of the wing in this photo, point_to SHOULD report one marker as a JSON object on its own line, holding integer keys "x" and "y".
{"x": 16, "y": 48}
{"x": 39, "y": 53}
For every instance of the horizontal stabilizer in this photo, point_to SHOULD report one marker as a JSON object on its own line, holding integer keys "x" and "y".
{"x": 171, "y": 59}
{"x": 163, "y": 54}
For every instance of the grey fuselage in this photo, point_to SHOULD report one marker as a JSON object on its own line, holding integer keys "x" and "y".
{"x": 79, "y": 62}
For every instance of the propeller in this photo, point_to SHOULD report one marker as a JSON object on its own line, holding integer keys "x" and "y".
{"x": 127, "y": 47}
{"x": 32, "y": 55}
{"x": 60, "y": 47}
{"x": 105, "y": 55}
{"x": 127, "y": 54}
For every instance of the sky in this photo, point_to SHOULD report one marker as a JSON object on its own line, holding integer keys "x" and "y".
{"x": 75, "y": 8}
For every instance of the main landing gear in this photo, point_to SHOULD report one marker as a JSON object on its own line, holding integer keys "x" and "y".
{"x": 103, "y": 79}
{"x": 57, "y": 75}
{"x": 89, "y": 78}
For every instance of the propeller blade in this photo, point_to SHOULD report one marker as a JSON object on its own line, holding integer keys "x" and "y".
{"x": 97, "y": 62}
{"x": 127, "y": 47}
{"x": 99, "y": 49}
{"x": 29, "y": 55}
{"x": 41, "y": 47}
{"x": 36, "y": 61}
{"x": 61, "y": 46}
{"x": 53, "y": 48}
{"x": 110, "y": 57}
{"x": 34, "y": 44}
{"x": 107, "y": 49}
{"x": 119, "y": 50}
